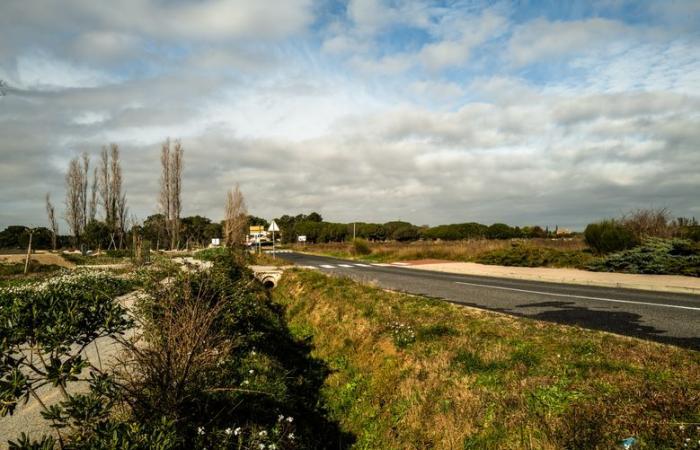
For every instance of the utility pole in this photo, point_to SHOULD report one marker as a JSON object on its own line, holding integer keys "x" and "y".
{"x": 353, "y": 231}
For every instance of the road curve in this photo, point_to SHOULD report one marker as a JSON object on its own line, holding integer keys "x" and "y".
{"x": 670, "y": 318}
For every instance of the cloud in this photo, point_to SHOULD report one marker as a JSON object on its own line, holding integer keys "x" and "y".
{"x": 377, "y": 111}
{"x": 542, "y": 39}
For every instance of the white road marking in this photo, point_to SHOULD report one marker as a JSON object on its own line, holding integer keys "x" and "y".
{"x": 344, "y": 265}
{"x": 580, "y": 296}
{"x": 362, "y": 265}
{"x": 400, "y": 264}
{"x": 327, "y": 266}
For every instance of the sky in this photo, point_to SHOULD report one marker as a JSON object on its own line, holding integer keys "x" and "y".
{"x": 524, "y": 112}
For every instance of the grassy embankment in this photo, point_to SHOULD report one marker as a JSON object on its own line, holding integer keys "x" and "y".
{"x": 529, "y": 253}
{"x": 410, "y": 372}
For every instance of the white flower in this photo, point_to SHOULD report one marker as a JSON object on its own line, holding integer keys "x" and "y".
{"x": 200, "y": 430}
{"x": 291, "y": 436}
{"x": 246, "y": 382}
{"x": 290, "y": 419}
{"x": 251, "y": 371}
{"x": 681, "y": 427}
{"x": 261, "y": 446}
{"x": 253, "y": 353}
{"x": 237, "y": 431}
{"x": 280, "y": 418}
{"x": 272, "y": 447}
{"x": 228, "y": 431}
{"x": 263, "y": 433}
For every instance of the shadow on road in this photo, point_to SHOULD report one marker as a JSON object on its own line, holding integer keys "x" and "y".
{"x": 618, "y": 322}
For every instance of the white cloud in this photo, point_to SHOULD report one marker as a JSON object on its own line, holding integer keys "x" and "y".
{"x": 39, "y": 70}
{"x": 541, "y": 39}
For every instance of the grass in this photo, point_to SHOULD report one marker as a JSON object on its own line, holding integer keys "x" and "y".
{"x": 466, "y": 378}
{"x": 89, "y": 260}
{"x": 532, "y": 252}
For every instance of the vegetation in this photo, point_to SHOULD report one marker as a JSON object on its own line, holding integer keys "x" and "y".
{"x": 529, "y": 255}
{"x": 655, "y": 256}
{"x": 410, "y": 372}
{"x": 609, "y": 236}
{"x": 18, "y": 268}
{"x": 212, "y": 364}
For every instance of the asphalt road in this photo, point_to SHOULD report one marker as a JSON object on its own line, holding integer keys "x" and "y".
{"x": 670, "y": 318}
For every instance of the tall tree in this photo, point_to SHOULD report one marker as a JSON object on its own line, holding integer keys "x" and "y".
{"x": 235, "y": 217}
{"x": 75, "y": 197}
{"x": 53, "y": 223}
{"x": 111, "y": 195}
{"x": 92, "y": 209}
{"x": 170, "y": 199}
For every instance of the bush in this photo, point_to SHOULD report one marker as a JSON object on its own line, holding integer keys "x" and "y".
{"x": 361, "y": 247}
{"x": 609, "y": 236}
{"x": 122, "y": 253}
{"x": 655, "y": 256}
{"x": 524, "y": 255}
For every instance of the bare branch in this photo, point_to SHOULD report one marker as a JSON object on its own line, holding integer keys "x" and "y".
{"x": 235, "y": 217}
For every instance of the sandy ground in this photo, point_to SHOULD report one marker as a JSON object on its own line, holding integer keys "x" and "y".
{"x": 665, "y": 283}
{"x": 40, "y": 257}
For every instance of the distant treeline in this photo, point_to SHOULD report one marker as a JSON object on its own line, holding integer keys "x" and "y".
{"x": 317, "y": 230}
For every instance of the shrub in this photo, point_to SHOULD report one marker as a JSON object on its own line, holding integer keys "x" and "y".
{"x": 609, "y": 236}
{"x": 121, "y": 253}
{"x": 526, "y": 255}
{"x": 655, "y": 256}
{"x": 361, "y": 247}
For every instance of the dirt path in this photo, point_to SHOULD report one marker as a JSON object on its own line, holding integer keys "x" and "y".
{"x": 40, "y": 257}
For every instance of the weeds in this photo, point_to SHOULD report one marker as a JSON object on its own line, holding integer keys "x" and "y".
{"x": 483, "y": 380}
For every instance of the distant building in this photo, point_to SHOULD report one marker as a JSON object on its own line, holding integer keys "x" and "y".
{"x": 562, "y": 231}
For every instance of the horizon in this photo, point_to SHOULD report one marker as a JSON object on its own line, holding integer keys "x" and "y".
{"x": 431, "y": 112}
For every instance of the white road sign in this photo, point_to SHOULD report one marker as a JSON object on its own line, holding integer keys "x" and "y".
{"x": 273, "y": 226}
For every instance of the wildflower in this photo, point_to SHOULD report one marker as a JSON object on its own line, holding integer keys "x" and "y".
{"x": 280, "y": 418}
{"x": 291, "y": 436}
{"x": 228, "y": 431}
{"x": 245, "y": 382}
{"x": 261, "y": 446}
{"x": 251, "y": 371}
{"x": 200, "y": 430}
{"x": 237, "y": 431}
{"x": 681, "y": 427}
{"x": 263, "y": 433}
{"x": 253, "y": 353}
{"x": 272, "y": 447}
{"x": 290, "y": 419}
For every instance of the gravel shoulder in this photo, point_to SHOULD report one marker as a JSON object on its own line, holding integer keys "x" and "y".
{"x": 661, "y": 283}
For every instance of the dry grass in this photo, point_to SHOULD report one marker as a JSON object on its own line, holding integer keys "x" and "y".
{"x": 476, "y": 379}
{"x": 447, "y": 250}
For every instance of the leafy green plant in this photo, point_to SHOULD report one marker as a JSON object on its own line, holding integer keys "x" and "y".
{"x": 45, "y": 328}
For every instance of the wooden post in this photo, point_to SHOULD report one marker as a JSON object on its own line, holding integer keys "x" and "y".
{"x": 29, "y": 251}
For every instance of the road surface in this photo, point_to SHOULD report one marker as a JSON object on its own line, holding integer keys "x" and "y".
{"x": 669, "y": 318}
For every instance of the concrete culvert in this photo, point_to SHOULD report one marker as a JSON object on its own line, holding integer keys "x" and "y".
{"x": 269, "y": 282}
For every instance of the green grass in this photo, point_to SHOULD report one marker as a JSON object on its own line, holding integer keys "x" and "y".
{"x": 476, "y": 379}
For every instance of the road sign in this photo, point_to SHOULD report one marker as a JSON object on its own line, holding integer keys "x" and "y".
{"x": 273, "y": 226}
{"x": 301, "y": 238}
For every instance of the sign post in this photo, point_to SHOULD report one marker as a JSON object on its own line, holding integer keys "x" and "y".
{"x": 273, "y": 228}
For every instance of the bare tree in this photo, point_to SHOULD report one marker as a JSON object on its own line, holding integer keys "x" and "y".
{"x": 53, "y": 223}
{"x": 74, "y": 207}
{"x": 92, "y": 210}
{"x": 170, "y": 199}
{"x": 84, "y": 189}
{"x": 235, "y": 217}
{"x": 110, "y": 189}
{"x": 650, "y": 222}
{"x": 176, "y": 192}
